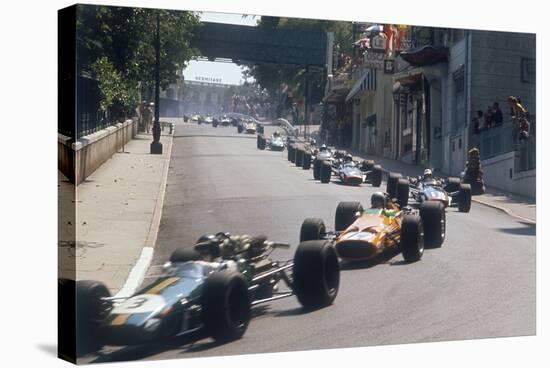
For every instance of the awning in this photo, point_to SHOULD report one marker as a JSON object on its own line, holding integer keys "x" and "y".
{"x": 367, "y": 82}
{"x": 425, "y": 55}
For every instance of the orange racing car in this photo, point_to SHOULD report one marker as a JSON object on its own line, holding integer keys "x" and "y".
{"x": 361, "y": 234}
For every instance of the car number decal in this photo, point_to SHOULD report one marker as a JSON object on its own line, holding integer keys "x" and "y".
{"x": 143, "y": 303}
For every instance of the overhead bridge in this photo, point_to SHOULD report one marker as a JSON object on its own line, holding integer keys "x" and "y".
{"x": 248, "y": 44}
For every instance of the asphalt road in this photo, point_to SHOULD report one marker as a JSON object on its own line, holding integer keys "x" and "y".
{"x": 480, "y": 284}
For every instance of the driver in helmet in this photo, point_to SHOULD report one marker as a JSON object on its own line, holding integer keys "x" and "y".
{"x": 323, "y": 148}
{"x": 428, "y": 174}
{"x": 379, "y": 200}
{"x": 428, "y": 177}
{"x": 348, "y": 158}
{"x": 276, "y": 134}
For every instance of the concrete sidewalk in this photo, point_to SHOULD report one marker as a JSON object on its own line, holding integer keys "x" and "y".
{"x": 118, "y": 211}
{"x": 521, "y": 207}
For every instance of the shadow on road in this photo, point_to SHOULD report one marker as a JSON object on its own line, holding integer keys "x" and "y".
{"x": 527, "y": 229}
{"x": 384, "y": 257}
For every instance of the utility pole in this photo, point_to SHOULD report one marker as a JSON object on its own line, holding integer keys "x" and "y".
{"x": 306, "y": 102}
{"x": 156, "y": 146}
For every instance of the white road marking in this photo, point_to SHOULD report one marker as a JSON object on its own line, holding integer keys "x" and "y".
{"x": 137, "y": 274}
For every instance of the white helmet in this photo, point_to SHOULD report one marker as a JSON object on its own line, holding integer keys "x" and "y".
{"x": 428, "y": 173}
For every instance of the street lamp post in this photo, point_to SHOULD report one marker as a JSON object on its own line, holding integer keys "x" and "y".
{"x": 156, "y": 146}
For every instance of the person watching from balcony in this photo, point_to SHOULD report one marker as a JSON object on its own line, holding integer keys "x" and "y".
{"x": 476, "y": 121}
{"x": 519, "y": 116}
{"x": 497, "y": 114}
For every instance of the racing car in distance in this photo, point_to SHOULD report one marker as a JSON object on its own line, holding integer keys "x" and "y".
{"x": 208, "y": 289}
{"x": 275, "y": 143}
{"x": 225, "y": 120}
{"x": 249, "y": 127}
{"x": 302, "y": 153}
{"x": 349, "y": 171}
{"x": 451, "y": 192}
{"x": 362, "y": 234}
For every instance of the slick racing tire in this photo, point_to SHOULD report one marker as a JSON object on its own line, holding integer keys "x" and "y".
{"x": 260, "y": 129}
{"x": 346, "y": 214}
{"x": 292, "y": 153}
{"x": 435, "y": 223}
{"x": 326, "y": 172}
{"x": 226, "y": 305}
{"x": 299, "y": 157}
{"x": 182, "y": 254}
{"x": 240, "y": 129}
{"x": 258, "y": 140}
{"x": 464, "y": 198}
{"x": 317, "y": 169}
{"x": 316, "y": 274}
{"x": 412, "y": 238}
{"x": 261, "y": 142}
{"x": 91, "y": 310}
{"x": 402, "y": 194}
{"x": 312, "y": 229}
{"x": 376, "y": 176}
{"x": 306, "y": 162}
{"x": 391, "y": 185}
{"x": 367, "y": 165}
{"x": 453, "y": 184}
{"x": 215, "y": 125}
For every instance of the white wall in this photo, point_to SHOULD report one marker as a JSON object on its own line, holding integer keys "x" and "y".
{"x": 497, "y": 175}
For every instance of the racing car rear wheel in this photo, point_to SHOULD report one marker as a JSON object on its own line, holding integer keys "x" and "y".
{"x": 453, "y": 184}
{"x": 258, "y": 139}
{"x": 402, "y": 194}
{"x": 240, "y": 129}
{"x": 312, "y": 229}
{"x": 434, "y": 220}
{"x": 464, "y": 197}
{"x": 325, "y": 172}
{"x": 376, "y": 176}
{"x": 391, "y": 185}
{"x": 412, "y": 238}
{"x": 317, "y": 169}
{"x": 226, "y": 305}
{"x": 346, "y": 214}
{"x": 367, "y": 165}
{"x": 299, "y": 157}
{"x": 91, "y": 310}
{"x": 306, "y": 162}
{"x": 316, "y": 274}
{"x": 292, "y": 153}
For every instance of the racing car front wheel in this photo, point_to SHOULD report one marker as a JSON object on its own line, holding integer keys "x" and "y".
{"x": 316, "y": 274}
{"x": 226, "y": 305}
{"x": 261, "y": 142}
{"x": 312, "y": 229}
{"x": 376, "y": 176}
{"x": 292, "y": 153}
{"x": 91, "y": 310}
{"x": 464, "y": 197}
{"x": 453, "y": 184}
{"x": 434, "y": 220}
{"x": 412, "y": 238}
{"x": 402, "y": 193}
{"x": 346, "y": 214}
{"x": 325, "y": 172}
{"x": 391, "y": 185}
{"x": 367, "y": 165}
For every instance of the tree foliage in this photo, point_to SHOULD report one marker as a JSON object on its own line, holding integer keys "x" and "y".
{"x": 271, "y": 76}
{"x": 117, "y": 44}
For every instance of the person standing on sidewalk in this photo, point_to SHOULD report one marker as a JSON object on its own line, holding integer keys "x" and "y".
{"x": 150, "y": 110}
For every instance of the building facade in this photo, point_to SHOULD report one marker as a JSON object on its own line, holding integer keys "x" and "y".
{"x": 417, "y": 101}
